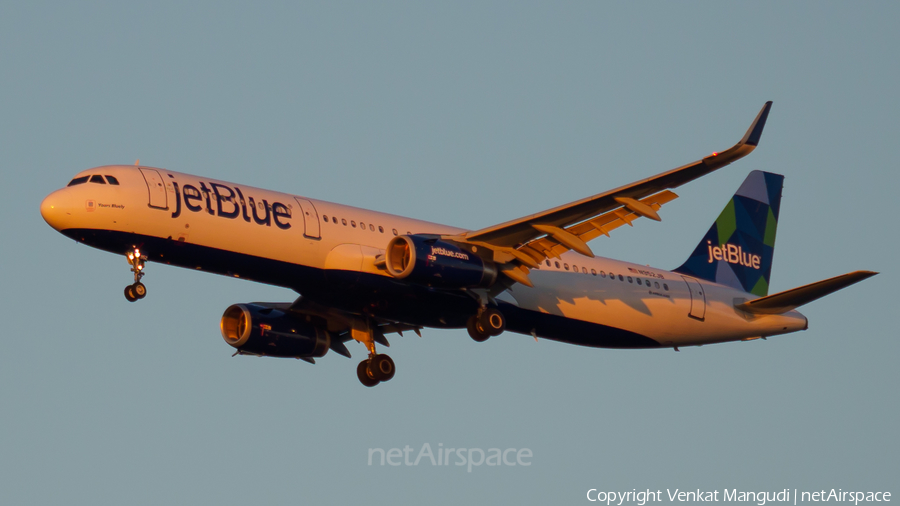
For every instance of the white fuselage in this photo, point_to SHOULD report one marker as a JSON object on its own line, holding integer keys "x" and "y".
{"x": 290, "y": 229}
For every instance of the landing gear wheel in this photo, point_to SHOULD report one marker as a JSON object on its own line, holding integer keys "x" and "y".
{"x": 136, "y": 261}
{"x": 362, "y": 372}
{"x": 476, "y": 331}
{"x": 492, "y": 321}
{"x": 382, "y": 367}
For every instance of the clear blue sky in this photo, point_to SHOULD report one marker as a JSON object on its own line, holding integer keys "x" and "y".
{"x": 467, "y": 114}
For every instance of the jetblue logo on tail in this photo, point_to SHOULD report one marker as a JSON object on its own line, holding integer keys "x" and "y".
{"x": 733, "y": 255}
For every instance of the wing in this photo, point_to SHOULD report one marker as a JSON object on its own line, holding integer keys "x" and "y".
{"x": 340, "y": 323}
{"x": 525, "y": 242}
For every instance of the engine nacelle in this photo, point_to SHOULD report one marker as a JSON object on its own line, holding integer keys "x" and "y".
{"x": 260, "y": 330}
{"x": 427, "y": 260}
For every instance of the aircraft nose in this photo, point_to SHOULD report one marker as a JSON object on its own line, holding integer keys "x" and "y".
{"x": 51, "y": 210}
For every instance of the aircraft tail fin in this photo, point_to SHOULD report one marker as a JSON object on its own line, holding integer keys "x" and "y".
{"x": 737, "y": 250}
{"x": 787, "y": 300}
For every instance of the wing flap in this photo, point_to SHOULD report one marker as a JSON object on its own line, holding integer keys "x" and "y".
{"x": 550, "y": 247}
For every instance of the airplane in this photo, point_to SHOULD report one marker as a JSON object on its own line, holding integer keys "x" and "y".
{"x": 361, "y": 274}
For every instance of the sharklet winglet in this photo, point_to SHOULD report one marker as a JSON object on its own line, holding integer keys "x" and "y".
{"x": 753, "y": 134}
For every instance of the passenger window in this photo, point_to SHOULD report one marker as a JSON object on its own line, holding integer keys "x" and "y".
{"x": 362, "y": 225}
{"x": 602, "y": 274}
{"x": 630, "y": 280}
{"x": 557, "y": 265}
{"x": 325, "y": 217}
{"x": 112, "y": 180}
{"x": 97, "y": 179}
{"x": 548, "y": 263}
{"x": 666, "y": 287}
{"x": 575, "y": 268}
{"x": 334, "y": 219}
{"x": 380, "y": 229}
{"x": 78, "y": 181}
{"x": 621, "y": 278}
{"x": 371, "y": 227}
{"x": 594, "y": 272}
{"x": 352, "y": 223}
{"x": 638, "y": 280}
{"x": 344, "y": 221}
{"x": 566, "y": 266}
{"x": 584, "y": 270}
{"x": 656, "y": 284}
{"x": 394, "y": 230}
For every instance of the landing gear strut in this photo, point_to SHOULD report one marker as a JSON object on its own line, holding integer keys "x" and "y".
{"x": 378, "y": 367}
{"x": 137, "y": 290}
{"x": 489, "y": 322}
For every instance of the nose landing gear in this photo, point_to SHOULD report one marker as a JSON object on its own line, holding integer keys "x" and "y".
{"x": 137, "y": 290}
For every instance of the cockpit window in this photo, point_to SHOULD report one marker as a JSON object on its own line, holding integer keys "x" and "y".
{"x": 97, "y": 179}
{"x": 78, "y": 180}
{"x": 112, "y": 180}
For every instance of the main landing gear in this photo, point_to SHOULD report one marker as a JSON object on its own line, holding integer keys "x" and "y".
{"x": 489, "y": 322}
{"x": 137, "y": 290}
{"x": 375, "y": 369}
{"x": 378, "y": 367}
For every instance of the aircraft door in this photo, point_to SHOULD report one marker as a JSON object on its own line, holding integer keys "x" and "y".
{"x": 310, "y": 218}
{"x": 156, "y": 187}
{"x": 698, "y": 299}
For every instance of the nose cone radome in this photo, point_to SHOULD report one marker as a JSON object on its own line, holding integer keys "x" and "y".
{"x": 52, "y": 211}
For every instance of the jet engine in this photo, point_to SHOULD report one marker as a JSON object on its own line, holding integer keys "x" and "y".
{"x": 427, "y": 260}
{"x": 265, "y": 331}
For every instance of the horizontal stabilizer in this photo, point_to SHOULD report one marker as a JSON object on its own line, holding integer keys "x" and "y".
{"x": 785, "y": 301}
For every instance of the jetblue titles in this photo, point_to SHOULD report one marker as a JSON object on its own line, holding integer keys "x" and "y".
{"x": 444, "y": 252}
{"x": 226, "y": 202}
{"x": 733, "y": 255}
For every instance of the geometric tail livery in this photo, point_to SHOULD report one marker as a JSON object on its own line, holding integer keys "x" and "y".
{"x": 737, "y": 250}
